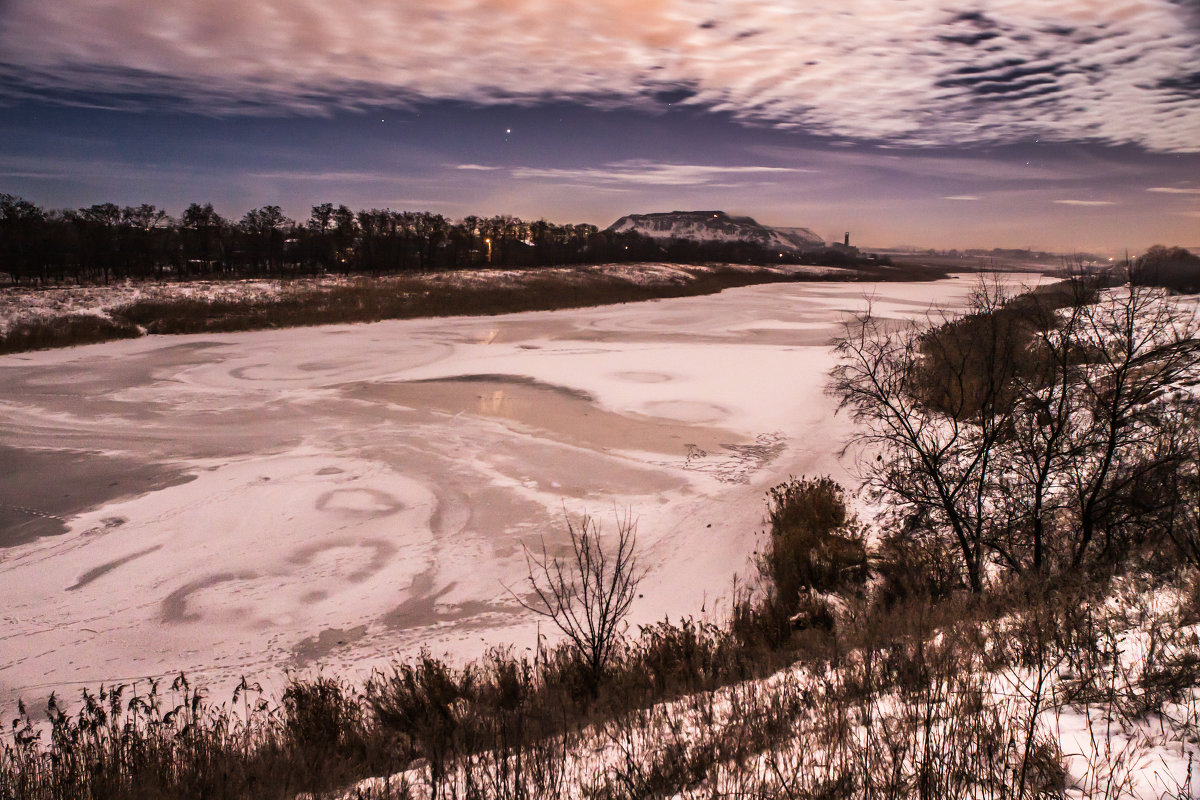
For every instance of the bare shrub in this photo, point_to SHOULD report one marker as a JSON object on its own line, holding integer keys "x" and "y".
{"x": 588, "y": 593}
{"x": 687, "y": 656}
{"x": 760, "y": 625}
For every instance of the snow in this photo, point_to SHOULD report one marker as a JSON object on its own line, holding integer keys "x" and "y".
{"x": 717, "y": 226}
{"x": 24, "y": 304}
{"x": 351, "y": 493}
{"x": 1105, "y": 750}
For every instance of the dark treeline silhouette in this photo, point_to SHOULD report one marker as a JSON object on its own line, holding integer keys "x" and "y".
{"x": 107, "y": 242}
{"x": 1173, "y": 267}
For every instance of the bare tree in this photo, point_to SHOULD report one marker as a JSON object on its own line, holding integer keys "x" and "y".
{"x": 931, "y": 408}
{"x": 1032, "y": 432}
{"x": 1140, "y": 343}
{"x": 587, "y": 593}
{"x": 1038, "y": 446}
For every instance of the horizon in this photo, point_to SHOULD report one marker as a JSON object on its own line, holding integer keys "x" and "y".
{"x": 300, "y": 221}
{"x": 1064, "y": 130}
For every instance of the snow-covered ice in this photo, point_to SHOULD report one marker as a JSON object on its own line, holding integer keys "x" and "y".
{"x": 332, "y": 497}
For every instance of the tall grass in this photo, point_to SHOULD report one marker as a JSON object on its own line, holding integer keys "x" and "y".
{"x": 919, "y": 698}
{"x": 176, "y": 742}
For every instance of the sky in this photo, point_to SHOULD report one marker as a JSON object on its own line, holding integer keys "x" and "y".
{"x": 1067, "y": 126}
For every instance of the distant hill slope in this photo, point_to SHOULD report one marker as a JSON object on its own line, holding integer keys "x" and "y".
{"x": 804, "y": 238}
{"x": 717, "y": 226}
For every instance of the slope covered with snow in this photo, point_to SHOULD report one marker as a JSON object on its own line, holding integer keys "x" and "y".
{"x": 717, "y": 226}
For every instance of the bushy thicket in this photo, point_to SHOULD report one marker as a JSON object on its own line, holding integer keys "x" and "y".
{"x": 1173, "y": 267}
{"x": 815, "y": 546}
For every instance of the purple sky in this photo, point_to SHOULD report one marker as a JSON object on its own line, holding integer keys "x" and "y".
{"x": 1069, "y": 125}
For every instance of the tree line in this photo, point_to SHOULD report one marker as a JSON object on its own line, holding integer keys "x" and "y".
{"x": 107, "y": 242}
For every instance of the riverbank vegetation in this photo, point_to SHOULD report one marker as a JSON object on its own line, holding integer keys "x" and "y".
{"x": 57, "y": 317}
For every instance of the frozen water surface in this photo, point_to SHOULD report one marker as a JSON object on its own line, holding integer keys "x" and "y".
{"x": 328, "y": 498}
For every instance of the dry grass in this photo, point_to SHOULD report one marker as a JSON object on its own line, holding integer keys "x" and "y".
{"x": 391, "y": 297}
{"x": 958, "y": 698}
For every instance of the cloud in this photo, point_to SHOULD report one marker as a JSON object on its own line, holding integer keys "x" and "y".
{"x": 657, "y": 174}
{"x": 961, "y": 197}
{"x": 921, "y": 72}
{"x": 1173, "y": 190}
{"x": 1084, "y": 165}
{"x": 1085, "y": 202}
{"x": 327, "y": 175}
{"x": 77, "y": 168}
{"x": 41, "y": 175}
{"x": 476, "y": 167}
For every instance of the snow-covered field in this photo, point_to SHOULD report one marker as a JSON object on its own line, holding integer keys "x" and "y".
{"x": 242, "y": 504}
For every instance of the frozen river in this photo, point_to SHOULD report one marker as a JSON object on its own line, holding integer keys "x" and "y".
{"x": 328, "y": 498}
